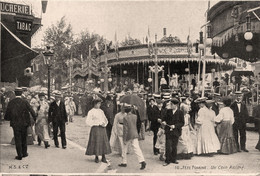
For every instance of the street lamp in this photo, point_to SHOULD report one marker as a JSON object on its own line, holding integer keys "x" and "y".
{"x": 48, "y": 53}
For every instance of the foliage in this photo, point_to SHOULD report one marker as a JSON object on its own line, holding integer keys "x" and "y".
{"x": 130, "y": 41}
{"x": 171, "y": 39}
{"x": 60, "y": 38}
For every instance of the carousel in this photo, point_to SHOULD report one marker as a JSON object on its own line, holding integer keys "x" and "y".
{"x": 135, "y": 64}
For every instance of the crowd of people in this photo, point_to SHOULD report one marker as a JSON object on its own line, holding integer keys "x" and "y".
{"x": 183, "y": 125}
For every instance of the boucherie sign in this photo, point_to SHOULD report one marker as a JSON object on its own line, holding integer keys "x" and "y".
{"x": 15, "y": 8}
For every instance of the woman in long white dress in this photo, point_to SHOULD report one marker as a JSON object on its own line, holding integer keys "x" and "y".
{"x": 98, "y": 143}
{"x": 226, "y": 119}
{"x": 185, "y": 147}
{"x": 207, "y": 140}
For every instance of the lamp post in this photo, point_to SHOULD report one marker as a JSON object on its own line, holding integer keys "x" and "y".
{"x": 156, "y": 66}
{"x": 48, "y": 53}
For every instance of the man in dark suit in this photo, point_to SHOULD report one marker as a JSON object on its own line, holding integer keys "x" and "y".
{"x": 173, "y": 122}
{"x": 153, "y": 117}
{"x": 18, "y": 113}
{"x": 58, "y": 117}
{"x": 241, "y": 116}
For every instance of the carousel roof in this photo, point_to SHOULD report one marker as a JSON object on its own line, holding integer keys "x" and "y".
{"x": 167, "y": 52}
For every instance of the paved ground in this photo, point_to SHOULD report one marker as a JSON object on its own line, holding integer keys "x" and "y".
{"x": 73, "y": 160}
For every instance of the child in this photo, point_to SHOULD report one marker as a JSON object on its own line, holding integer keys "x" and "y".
{"x": 160, "y": 143}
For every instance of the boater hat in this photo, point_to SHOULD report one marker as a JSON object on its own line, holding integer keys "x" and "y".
{"x": 238, "y": 93}
{"x": 201, "y": 100}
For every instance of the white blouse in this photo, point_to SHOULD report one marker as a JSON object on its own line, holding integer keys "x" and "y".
{"x": 96, "y": 117}
{"x": 225, "y": 114}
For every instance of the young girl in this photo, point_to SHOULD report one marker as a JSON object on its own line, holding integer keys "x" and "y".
{"x": 160, "y": 143}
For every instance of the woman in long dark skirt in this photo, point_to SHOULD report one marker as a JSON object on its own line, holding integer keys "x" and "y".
{"x": 225, "y": 118}
{"x": 98, "y": 143}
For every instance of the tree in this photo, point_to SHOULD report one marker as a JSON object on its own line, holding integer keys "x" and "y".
{"x": 130, "y": 42}
{"x": 60, "y": 38}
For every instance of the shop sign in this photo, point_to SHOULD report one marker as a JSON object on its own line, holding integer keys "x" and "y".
{"x": 25, "y": 26}
{"x": 15, "y": 8}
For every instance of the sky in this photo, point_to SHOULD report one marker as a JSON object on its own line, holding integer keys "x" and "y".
{"x": 179, "y": 17}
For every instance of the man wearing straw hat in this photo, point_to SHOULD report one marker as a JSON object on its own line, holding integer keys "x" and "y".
{"x": 173, "y": 122}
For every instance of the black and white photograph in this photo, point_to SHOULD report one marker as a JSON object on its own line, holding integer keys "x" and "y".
{"x": 135, "y": 87}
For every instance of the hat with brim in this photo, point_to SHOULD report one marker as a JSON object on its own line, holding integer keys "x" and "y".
{"x": 57, "y": 94}
{"x": 166, "y": 97}
{"x": 156, "y": 95}
{"x": 24, "y": 88}
{"x": 201, "y": 100}
{"x": 238, "y": 93}
{"x": 216, "y": 94}
{"x": 167, "y": 94}
{"x": 175, "y": 101}
{"x": 41, "y": 94}
{"x": 210, "y": 101}
{"x": 150, "y": 99}
{"x": 18, "y": 89}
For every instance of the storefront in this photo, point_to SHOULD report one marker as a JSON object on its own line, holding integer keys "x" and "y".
{"x": 18, "y": 25}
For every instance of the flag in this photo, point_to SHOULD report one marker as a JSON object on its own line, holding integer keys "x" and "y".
{"x": 81, "y": 57}
{"x": 189, "y": 45}
{"x": 96, "y": 45}
{"x": 149, "y": 43}
{"x": 116, "y": 47}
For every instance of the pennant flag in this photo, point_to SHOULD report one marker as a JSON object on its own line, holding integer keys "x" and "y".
{"x": 116, "y": 47}
{"x": 189, "y": 45}
{"x": 96, "y": 45}
{"x": 150, "y": 44}
{"x": 81, "y": 57}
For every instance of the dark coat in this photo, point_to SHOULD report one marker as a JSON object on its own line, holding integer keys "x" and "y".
{"x": 18, "y": 113}
{"x": 58, "y": 113}
{"x": 215, "y": 108}
{"x": 176, "y": 119}
{"x": 242, "y": 117}
{"x": 154, "y": 115}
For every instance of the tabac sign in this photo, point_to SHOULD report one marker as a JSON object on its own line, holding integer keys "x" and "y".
{"x": 15, "y": 8}
{"x": 25, "y": 26}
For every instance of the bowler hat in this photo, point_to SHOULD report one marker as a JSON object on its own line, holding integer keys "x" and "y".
{"x": 175, "y": 101}
{"x": 41, "y": 94}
